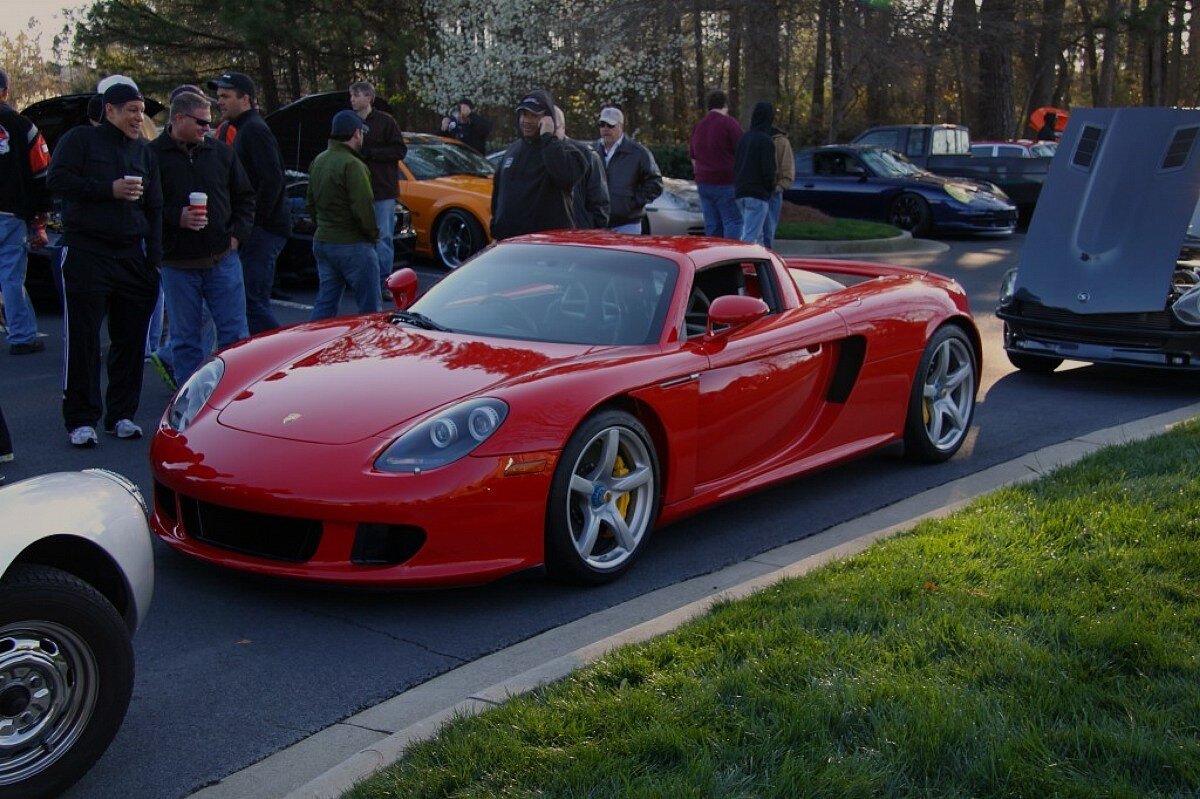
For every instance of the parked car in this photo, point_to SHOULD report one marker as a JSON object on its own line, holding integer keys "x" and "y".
{"x": 565, "y": 391}
{"x": 946, "y": 150}
{"x": 876, "y": 183}
{"x": 76, "y": 578}
{"x": 446, "y": 185}
{"x": 1019, "y": 148}
{"x": 1100, "y": 277}
{"x": 296, "y": 260}
{"x": 675, "y": 212}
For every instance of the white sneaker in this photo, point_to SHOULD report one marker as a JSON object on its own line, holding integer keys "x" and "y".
{"x": 84, "y": 437}
{"x": 125, "y": 428}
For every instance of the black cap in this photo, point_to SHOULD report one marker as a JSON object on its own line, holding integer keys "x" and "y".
{"x": 466, "y": 102}
{"x": 533, "y": 102}
{"x": 346, "y": 123}
{"x": 234, "y": 80}
{"x": 121, "y": 93}
{"x": 3, "y": 80}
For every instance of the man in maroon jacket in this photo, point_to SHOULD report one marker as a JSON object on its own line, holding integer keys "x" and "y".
{"x": 714, "y": 141}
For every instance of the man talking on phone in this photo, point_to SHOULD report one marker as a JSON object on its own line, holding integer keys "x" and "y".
{"x": 537, "y": 173}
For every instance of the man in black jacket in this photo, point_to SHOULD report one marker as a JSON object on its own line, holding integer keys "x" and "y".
{"x": 201, "y": 235}
{"x": 754, "y": 172}
{"x": 589, "y": 199}
{"x": 383, "y": 148}
{"x": 634, "y": 180}
{"x": 243, "y": 128}
{"x": 107, "y": 180}
{"x": 537, "y": 174}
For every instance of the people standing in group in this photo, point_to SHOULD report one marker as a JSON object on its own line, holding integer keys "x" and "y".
{"x": 754, "y": 172}
{"x": 383, "y": 148}
{"x": 589, "y": 199}
{"x": 785, "y": 175}
{"x": 634, "y": 180}
{"x": 341, "y": 203}
{"x": 711, "y": 147}
{"x": 243, "y": 128}
{"x": 208, "y": 210}
{"x": 537, "y": 174}
{"x": 468, "y": 126}
{"x": 23, "y": 207}
{"x": 107, "y": 180}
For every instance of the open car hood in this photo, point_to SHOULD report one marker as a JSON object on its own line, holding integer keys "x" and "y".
{"x": 56, "y": 115}
{"x": 302, "y": 127}
{"x": 377, "y": 375}
{"x": 1113, "y": 212}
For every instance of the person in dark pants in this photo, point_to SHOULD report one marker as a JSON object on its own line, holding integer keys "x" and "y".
{"x": 754, "y": 172}
{"x": 107, "y": 180}
{"x": 243, "y": 128}
{"x": 383, "y": 148}
{"x": 537, "y": 174}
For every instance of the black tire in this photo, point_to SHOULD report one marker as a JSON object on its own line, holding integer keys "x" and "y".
{"x": 624, "y": 488}
{"x": 1034, "y": 364}
{"x": 456, "y": 236}
{"x": 939, "y": 418}
{"x": 68, "y": 629}
{"x": 911, "y": 212}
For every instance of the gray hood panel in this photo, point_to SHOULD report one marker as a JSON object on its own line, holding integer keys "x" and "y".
{"x": 1113, "y": 212}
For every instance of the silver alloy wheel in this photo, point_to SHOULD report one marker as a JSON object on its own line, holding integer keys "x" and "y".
{"x": 611, "y": 498}
{"x": 949, "y": 393}
{"x": 48, "y": 692}
{"x": 455, "y": 241}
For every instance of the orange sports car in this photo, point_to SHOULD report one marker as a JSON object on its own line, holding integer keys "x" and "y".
{"x": 448, "y": 188}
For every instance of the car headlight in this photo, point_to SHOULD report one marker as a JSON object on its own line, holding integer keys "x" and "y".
{"x": 195, "y": 392}
{"x": 997, "y": 192}
{"x": 958, "y": 192}
{"x": 444, "y": 438}
{"x": 1007, "y": 285}
{"x": 1187, "y": 307}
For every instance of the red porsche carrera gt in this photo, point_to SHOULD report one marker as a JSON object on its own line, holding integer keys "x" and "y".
{"x": 577, "y": 388}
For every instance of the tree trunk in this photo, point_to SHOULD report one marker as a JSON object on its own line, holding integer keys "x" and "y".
{"x": 929, "y": 93}
{"x": 1112, "y": 47}
{"x": 964, "y": 29}
{"x": 997, "y": 24}
{"x": 269, "y": 94}
{"x": 1049, "y": 53}
{"x": 817, "y": 113}
{"x": 698, "y": 36}
{"x": 761, "y": 44}
{"x": 735, "y": 59}
{"x": 837, "y": 71}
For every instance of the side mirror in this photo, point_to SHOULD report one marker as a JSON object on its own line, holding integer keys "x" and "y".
{"x": 733, "y": 310}
{"x": 403, "y": 285}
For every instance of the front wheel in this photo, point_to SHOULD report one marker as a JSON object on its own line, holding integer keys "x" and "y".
{"x": 603, "y": 500}
{"x": 456, "y": 237}
{"x": 942, "y": 401}
{"x": 911, "y": 212}
{"x": 66, "y": 674}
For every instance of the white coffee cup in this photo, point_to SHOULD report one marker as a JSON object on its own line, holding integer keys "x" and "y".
{"x": 136, "y": 178}
{"x": 198, "y": 201}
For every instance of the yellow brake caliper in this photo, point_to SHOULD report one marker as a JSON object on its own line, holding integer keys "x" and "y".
{"x": 620, "y": 470}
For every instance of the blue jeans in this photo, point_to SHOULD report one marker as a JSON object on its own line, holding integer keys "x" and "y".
{"x": 258, "y": 271}
{"x": 774, "y": 209}
{"x": 721, "y": 214}
{"x": 14, "y": 260}
{"x": 754, "y": 218}
{"x": 219, "y": 287}
{"x": 385, "y": 248}
{"x": 208, "y": 339}
{"x": 342, "y": 265}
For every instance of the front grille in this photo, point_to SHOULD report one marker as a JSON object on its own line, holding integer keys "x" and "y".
{"x": 164, "y": 500}
{"x": 1106, "y": 337}
{"x": 386, "y": 544}
{"x": 260, "y": 534}
{"x": 1156, "y": 321}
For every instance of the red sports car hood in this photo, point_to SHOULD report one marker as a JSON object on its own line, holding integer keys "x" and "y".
{"x": 376, "y": 376}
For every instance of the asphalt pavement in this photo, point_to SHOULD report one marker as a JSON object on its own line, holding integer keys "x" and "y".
{"x": 233, "y": 670}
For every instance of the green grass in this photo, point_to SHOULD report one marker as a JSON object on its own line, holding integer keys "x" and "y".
{"x": 837, "y": 230}
{"x": 1044, "y": 642}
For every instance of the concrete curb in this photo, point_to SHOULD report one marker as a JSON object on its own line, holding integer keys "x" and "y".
{"x": 904, "y": 243}
{"x": 378, "y": 736}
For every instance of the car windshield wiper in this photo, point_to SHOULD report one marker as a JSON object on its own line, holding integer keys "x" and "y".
{"x": 418, "y": 320}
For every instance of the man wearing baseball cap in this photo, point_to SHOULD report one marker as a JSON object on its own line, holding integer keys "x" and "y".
{"x": 244, "y": 129}
{"x": 342, "y": 204}
{"x": 633, "y": 176}
{"x": 107, "y": 180}
{"x": 537, "y": 173}
{"x": 23, "y": 206}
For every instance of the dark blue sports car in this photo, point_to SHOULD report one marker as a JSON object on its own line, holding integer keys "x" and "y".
{"x": 870, "y": 182}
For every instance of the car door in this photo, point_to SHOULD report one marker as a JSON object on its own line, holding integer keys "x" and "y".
{"x": 763, "y": 388}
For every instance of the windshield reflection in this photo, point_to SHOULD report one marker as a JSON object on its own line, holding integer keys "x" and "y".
{"x": 889, "y": 164}
{"x": 427, "y": 160}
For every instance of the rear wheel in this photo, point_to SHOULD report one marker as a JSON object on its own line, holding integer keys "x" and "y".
{"x": 942, "y": 401}
{"x": 1036, "y": 364}
{"x": 456, "y": 237}
{"x": 603, "y": 499}
{"x": 66, "y": 674}
{"x": 911, "y": 212}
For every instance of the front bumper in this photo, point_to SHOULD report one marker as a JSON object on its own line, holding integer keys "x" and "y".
{"x": 986, "y": 221}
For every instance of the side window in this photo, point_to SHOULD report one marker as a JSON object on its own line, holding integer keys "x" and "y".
{"x": 981, "y": 150}
{"x": 745, "y": 278}
{"x": 884, "y": 138}
{"x": 804, "y": 164}
{"x": 941, "y": 142}
{"x": 916, "y": 142}
{"x": 1086, "y": 148}
{"x": 1011, "y": 152}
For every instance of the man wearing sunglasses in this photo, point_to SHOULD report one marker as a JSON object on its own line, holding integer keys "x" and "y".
{"x": 201, "y": 234}
{"x": 634, "y": 180}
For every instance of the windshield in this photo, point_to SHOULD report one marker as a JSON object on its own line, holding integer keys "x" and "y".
{"x": 438, "y": 159}
{"x": 559, "y": 293}
{"x": 888, "y": 164}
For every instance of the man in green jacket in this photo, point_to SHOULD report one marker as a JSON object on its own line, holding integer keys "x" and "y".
{"x": 341, "y": 202}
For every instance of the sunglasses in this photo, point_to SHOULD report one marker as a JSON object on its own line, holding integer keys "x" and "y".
{"x": 607, "y": 125}
{"x": 204, "y": 123}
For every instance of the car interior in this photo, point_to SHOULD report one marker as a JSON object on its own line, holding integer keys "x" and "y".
{"x": 744, "y": 278}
